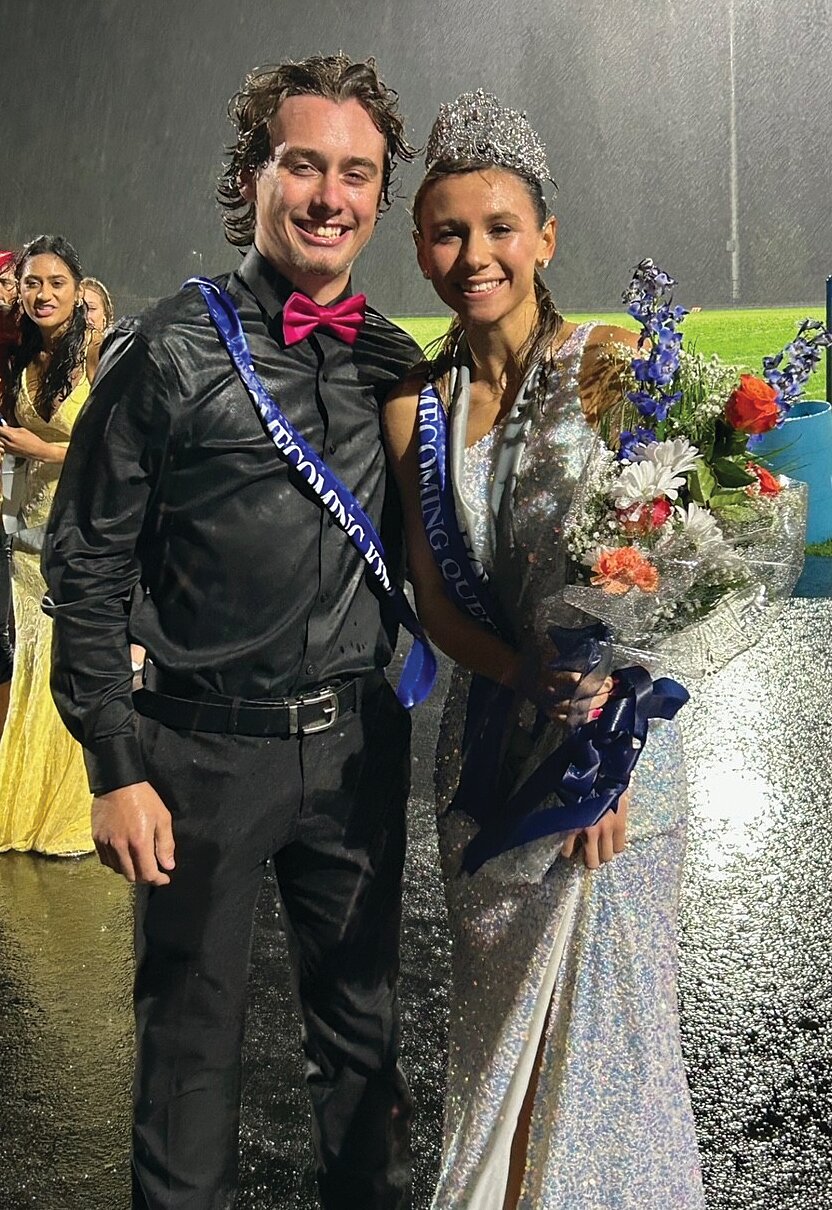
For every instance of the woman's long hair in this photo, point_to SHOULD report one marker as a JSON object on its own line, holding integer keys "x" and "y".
{"x": 68, "y": 352}
{"x": 537, "y": 348}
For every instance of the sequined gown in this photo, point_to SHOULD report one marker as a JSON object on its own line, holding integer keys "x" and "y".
{"x": 44, "y": 794}
{"x": 543, "y": 945}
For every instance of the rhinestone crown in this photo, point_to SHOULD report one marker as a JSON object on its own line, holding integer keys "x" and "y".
{"x": 477, "y": 127}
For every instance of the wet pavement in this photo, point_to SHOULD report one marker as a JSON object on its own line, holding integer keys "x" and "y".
{"x": 755, "y": 981}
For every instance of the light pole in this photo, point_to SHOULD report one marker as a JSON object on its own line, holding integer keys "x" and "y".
{"x": 733, "y": 245}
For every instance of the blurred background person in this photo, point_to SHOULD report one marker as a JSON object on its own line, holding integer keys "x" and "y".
{"x": 8, "y": 281}
{"x": 9, "y": 311}
{"x": 8, "y": 336}
{"x": 100, "y": 315}
{"x": 44, "y": 797}
{"x": 6, "y": 649}
{"x": 100, "y": 312}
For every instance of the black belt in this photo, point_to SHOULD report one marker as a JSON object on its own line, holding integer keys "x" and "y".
{"x": 312, "y": 711}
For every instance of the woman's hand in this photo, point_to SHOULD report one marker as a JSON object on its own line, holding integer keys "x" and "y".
{"x": 23, "y": 444}
{"x": 557, "y": 698}
{"x": 605, "y": 839}
{"x": 557, "y": 692}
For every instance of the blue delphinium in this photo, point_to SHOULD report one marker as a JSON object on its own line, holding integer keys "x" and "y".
{"x": 789, "y": 371}
{"x": 648, "y": 301}
{"x": 632, "y": 437}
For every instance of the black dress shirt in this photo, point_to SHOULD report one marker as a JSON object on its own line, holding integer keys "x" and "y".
{"x": 178, "y": 526}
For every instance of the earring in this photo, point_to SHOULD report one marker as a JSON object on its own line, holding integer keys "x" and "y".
{"x": 544, "y": 264}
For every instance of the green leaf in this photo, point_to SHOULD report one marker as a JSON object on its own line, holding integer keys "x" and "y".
{"x": 733, "y": 505}
{"x": 701, "y": 482}
{"x": 737, "y": 513}
{"x": 729, "y": 441}
{"x": 731, "y": 472}
{"x": 731, "y": 446}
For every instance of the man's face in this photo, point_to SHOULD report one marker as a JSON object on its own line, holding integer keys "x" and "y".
{"x": 317, "y": 198}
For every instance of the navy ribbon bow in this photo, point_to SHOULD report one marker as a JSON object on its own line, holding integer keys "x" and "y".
{"x": 582, "y": 779}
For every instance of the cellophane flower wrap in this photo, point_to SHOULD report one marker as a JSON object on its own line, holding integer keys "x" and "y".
{"x": 681, "y": 541}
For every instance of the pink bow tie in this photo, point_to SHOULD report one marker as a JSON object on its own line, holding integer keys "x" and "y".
{"x": 302, "y": 315}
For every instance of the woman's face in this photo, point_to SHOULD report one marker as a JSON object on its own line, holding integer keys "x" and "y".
{"x": 48, "y": 291}
{"x": 96, "y": 316}
{"x": 480, "y": 243}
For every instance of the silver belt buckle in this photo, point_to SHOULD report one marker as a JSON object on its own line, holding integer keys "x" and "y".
{"x": 327, "y": 699}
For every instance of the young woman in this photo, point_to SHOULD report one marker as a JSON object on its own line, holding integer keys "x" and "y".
{"x": 44, "y": 798}
{"x": 98, "y": 303}
{"x": 566, "y": 1085}
{"x": 8, "y": 337}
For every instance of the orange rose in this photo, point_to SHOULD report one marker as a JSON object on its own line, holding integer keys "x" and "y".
{"x": 752, "y": 407}
{"x": 622, "y": 568}
{"x": 769, "y": 484}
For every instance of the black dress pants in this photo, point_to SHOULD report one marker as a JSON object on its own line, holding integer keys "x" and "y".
{"x": 328, "y": 810}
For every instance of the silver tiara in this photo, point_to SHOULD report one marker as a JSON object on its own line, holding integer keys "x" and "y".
{"x": 477, "y": 127}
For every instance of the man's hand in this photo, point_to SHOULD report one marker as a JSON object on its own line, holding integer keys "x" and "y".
{"x": 606, "y": 838}
{"x": 132, "y": 833}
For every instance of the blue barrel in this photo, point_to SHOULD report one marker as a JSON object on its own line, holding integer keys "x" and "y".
{"x": 802, "y": 448}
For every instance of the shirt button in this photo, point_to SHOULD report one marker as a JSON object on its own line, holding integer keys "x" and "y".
{"x": 324, "y": 376}
{"x": 310, "y": 668}
{"x": 332, "y": 447}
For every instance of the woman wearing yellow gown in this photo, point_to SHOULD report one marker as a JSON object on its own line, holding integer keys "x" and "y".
{"x": 44, "y": 796}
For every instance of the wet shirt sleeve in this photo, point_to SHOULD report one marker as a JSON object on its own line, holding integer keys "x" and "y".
{"x": 90, "y": 564}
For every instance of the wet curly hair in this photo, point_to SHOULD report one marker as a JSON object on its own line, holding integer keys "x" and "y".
{"x": 334, "y": 77}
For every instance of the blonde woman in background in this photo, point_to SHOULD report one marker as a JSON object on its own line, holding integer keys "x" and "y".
{"x": 99, "y": 304}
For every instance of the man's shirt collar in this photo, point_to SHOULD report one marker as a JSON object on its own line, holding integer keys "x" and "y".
{"x": 269, "y": 286}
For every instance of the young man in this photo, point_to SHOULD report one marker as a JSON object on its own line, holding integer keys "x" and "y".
{"x": 267, "y": 731}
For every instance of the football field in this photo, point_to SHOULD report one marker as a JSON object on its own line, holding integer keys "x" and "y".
{"x": 743, "y": 338}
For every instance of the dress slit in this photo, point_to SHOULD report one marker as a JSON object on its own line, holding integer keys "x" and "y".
{"x": 490, "y": 1189}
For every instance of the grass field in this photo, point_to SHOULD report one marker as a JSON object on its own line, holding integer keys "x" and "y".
{"x": 740, "y": 337}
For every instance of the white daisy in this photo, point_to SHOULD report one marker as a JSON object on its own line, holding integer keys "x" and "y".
{"x": 678, "y": 455}
{"x": 700, "y": 526}
{"x": 643, "y": 482}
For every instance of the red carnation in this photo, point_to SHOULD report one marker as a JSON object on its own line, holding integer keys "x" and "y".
{"x": 660, "y": 511}
{"x": 642, "y": 518}
{"x": 769, "y": 484}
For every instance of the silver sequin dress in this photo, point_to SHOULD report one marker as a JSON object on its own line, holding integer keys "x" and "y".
{"x": 542, "y": 944}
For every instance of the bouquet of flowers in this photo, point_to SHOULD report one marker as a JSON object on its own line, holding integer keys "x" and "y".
{"x": 682, "y": 542}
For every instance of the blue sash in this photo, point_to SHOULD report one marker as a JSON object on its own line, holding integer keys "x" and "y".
{"x": 573, "y": 787}
{"x": 465, "y": 581}
{"x": 419, "y": 672}
{"x": 490, "y": 706}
